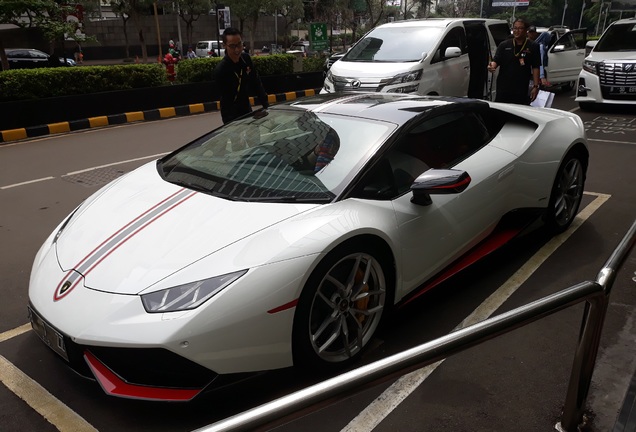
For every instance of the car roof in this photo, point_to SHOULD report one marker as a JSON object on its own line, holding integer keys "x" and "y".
{"x": 393, "y": 107}
{"x": 625, "y": 21}
{"x": 440, "y": 22}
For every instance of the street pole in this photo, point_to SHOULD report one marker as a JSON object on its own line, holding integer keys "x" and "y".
{"x": 154, "y": 5}
{"x": 565, "y": 6}
{"x": 180, "y": 44}
{"x": 581, "y": 18}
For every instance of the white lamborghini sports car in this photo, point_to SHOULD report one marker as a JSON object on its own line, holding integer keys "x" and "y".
{"x": 285, "y": 237}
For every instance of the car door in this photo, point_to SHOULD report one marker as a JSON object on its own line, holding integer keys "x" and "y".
{"x": 431, "y": 236}
{"x": 453, "y": 72}
{"x": 19, "y": 59}
{"x": 565, "y": 57}
{"x": 39, "y": 59}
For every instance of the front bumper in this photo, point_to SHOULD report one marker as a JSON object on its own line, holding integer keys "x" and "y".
{"x": 591, "y": 90}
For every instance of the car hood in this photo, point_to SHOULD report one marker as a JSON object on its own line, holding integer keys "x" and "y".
{"x": 612, "y": 55}
{"x": 142, "y": 229}
{"x": 349, "y": 69}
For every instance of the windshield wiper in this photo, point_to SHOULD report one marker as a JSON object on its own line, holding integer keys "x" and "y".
{"x": 197, "y": 187}
{"x": 285, "y": 198}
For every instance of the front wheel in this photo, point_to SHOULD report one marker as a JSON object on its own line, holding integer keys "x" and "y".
{"x": 567, "y": 193}
{"x": 340, "y": 308}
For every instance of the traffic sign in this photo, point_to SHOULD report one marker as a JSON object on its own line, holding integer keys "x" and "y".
{"x": 318, "y": 40}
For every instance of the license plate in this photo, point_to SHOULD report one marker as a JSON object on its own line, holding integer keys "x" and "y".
{"x": 623, "y": 90}
{"x": 48, "y": 334}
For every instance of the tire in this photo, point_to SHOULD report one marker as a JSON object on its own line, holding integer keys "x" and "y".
{"x": 568, "y": 86}
{"x": 586, "y": 106}
{"x": 340, "y": 307}
{"x": 567, "y": 192}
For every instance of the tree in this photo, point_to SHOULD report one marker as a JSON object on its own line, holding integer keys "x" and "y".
{"x": 190, "y": 11}
{"x": 134, "y": 9}
{"x": 47, "y": 15}
{"x": 291, "y": 10}
{"x": 247, "y": 12}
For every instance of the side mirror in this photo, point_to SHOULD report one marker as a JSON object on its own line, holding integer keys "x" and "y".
{"x": 452, "y": 52}
{"x": 438, "y": 182}
{"x": 558, "y": 48}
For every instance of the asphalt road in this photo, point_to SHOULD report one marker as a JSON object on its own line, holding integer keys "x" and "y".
{"x": 514, "y": 382}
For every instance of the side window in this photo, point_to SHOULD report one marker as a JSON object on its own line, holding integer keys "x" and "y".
{"x": 438, "y": 142}
{"x": 455, "y": 38}
{"x": 568, "y": 42}
{"x": 37, "y": 55}
{"x": 500, "y": 32}
{"x": 580, "y": 39}
{"x": 445, "y": 140}
{"x": 20, "y": 54}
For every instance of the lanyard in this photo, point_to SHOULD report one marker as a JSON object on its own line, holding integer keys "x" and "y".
{"x": 514, "y": 47}
{"x": 239, "y": 77}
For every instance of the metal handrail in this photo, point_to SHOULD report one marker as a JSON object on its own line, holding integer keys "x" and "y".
{"x": 596, "y": 294}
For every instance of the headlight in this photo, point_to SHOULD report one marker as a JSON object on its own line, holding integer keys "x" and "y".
{"x": 590, "y": 66}
{"x": 188, "y": 296}
{"x": 329, "y": 76}
{"x": 406, "y": 77}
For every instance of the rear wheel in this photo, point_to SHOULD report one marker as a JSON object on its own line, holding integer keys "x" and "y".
{"x": 567, "y": 192}
{"x": 340, "y": 307}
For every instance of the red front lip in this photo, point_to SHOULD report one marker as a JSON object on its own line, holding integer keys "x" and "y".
{"x": 115, "y": 386}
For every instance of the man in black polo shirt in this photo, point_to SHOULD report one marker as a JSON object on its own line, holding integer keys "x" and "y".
{"x": 237, "y": 78}
{"x": 519, "y": 60}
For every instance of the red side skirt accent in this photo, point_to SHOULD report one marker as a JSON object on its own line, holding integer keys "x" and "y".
{"x": 115, "y": 386}
{"x": 490, "y": 244}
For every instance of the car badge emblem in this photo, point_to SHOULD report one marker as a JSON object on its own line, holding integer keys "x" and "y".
{"x": 356, "y": 84}
{"x": 628, "y": 67}
{"x": 65, "y": 287}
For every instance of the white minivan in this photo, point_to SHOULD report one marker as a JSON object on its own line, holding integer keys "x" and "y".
{"x": 209, "y": 48}
{"x": 432, "y": 56}
{"x": 609, "y": 72}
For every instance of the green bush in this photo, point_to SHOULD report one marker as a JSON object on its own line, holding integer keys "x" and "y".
{"x": 19, "y": 84}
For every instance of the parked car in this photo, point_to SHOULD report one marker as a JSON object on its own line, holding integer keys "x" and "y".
{"x": 209, "y": 48}
{"x": 609, "y": 72}
{"x": 300, "y": 46}
{"x": 23, "y": 58}
{"x": 433, "y": 56}
{"x": 330, "y": 60}
{"x": 285, "y": 237}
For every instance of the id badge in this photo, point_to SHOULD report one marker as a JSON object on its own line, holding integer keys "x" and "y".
{"x": 522, "y": 62}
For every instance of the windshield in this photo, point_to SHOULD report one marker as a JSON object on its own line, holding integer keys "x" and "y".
{"x": 277, "y": 155}
{"x": 395, "y": 44}
{"x": 618, "y": 37}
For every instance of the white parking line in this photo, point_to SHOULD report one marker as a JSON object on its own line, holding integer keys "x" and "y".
{"x": 26, "y": 182}
{"x": 157, "y": 156}
{"x": 14, "y": 332}
{"x": 384, "y": 404}
{"x": 38, "y": 398}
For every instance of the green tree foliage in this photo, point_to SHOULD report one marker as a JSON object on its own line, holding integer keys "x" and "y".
{"x": 190, "y": 11}
{"x": 135, "y": 9}
{"x": 47, "y": 15}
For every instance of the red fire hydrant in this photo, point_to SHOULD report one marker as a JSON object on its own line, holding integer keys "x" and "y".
{"x": 170, "y": 61}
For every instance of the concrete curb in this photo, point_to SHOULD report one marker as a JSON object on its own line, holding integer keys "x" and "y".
{"x": 135, "y": 116}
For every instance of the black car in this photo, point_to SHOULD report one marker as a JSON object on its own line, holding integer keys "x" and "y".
{"x": 27, "y": 58}
{"x": 332, "y": 59}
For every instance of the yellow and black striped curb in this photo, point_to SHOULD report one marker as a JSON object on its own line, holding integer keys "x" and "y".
{"x": 136, "y": 116}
